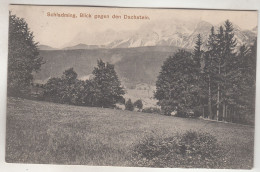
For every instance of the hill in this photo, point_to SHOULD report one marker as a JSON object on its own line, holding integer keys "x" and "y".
{"x": 133, "y": 65}
{"x": 46, "y": 47}
{"x": 83, "y": 46}
{"x": 42, "y": 132}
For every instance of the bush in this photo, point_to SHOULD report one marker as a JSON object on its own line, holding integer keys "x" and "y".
{"x": 129, "y": 105}
{"x": 151, "y": 110}
{"x": 138, "y": 104}
{"x": 191, "y": 149}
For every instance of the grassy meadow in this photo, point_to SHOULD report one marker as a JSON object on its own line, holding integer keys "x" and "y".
{"x": 43, "y": 132}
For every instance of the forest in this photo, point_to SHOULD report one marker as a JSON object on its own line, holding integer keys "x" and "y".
{"x": 217, "y": 82}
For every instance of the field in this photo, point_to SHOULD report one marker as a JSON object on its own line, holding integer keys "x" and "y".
{"x": 144, "y": 92}
{"x": 42, "y": 132}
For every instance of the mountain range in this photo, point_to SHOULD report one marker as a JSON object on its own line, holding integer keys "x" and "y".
{"x": 137, "y": 55}
{"x": 174, "y": 33}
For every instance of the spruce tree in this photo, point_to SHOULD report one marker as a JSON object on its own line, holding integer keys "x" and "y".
{"x": 108, "y": 87}
{"x": 209, "y": 71}
{"x": 230, "y": 61}
{"x": 219, "y": 62}
{"x": 197, "y": 52}
{"x": 198, "y": 57}
{"x": 241, "y": 93}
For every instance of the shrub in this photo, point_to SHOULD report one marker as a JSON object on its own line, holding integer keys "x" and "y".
{"x": 191, "y": 149}
{"x": 138, "y": 104}
{"x": 129, "y": 105}
{"x": 151, "y": 110}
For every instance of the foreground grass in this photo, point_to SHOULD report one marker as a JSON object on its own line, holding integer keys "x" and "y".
{"x": 42, "y": 132}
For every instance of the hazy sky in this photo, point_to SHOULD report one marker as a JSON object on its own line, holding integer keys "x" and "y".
{"x": 59, "y": 31}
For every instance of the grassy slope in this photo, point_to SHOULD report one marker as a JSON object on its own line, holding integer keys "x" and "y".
{"x": 42, "y": 132}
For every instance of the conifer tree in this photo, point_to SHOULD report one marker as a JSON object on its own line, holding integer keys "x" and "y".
{"x": 197, "y": 52}
{"x": 198, "y": 57}
{"x": 230, "y": 61}
{"x": 219, "y": 61}
{"x": 241, "y": 95}
{"x": 209, "y": 71}
{"x": 129, "y": 105}
{"x": 107, "y": 85}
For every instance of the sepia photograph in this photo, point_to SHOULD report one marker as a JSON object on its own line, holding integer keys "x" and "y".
{"x": 131, "y": 87}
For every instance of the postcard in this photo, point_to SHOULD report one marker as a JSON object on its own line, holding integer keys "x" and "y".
{"x": 131, "y": 87}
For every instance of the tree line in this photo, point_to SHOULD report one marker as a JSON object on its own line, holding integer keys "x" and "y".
{"x": 216, "y": 82}
{"x": 104, "y": 90}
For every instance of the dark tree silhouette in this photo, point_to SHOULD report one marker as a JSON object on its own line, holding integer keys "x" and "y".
{"x": 177, "y": 85}
{"x": 197, "y": 52}
{"x": 65, "y": 89}
{"x": 107, "y": 85}
{"x": 103, "y": 91}
{"x": 139, "y": 104}
{"x": 23, "y": 56}
{"x": 52, "y": 90}
{"x": 129, "y": 105}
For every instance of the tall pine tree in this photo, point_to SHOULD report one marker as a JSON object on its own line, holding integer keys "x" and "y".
{"x": 198, "y": 57}
{"x": 230, "y": 61}
{"x": 209, "y": 71}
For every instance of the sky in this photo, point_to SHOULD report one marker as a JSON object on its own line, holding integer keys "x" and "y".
{"x": 60, "y": 31}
